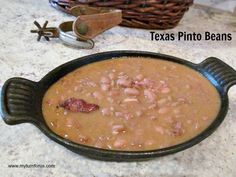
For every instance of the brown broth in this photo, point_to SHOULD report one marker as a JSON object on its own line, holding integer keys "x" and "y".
{"x": 144, "y": 104}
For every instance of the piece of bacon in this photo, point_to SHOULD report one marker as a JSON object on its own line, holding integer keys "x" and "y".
{"x": 78, "y": 105}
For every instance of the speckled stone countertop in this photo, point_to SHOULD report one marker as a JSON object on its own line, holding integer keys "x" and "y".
{"x": 21, "y": 55}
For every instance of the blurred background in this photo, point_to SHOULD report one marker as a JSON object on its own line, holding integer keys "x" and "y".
{"x": 227, "y": 5}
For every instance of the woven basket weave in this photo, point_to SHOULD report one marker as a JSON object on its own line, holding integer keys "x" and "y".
{"x": 148, "y": 14}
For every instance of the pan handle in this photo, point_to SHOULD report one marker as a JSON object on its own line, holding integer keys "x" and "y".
{"x": 19, "y": 98}
{"x": 224, "y": 74}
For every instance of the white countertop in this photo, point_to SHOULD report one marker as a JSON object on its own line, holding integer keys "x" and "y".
{"x": 21, "y": 55}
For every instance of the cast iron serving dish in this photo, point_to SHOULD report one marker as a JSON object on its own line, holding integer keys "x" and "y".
{"x": 22, "y": 102}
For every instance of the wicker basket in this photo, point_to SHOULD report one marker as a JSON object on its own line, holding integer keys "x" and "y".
{"x": 148, "y": 14}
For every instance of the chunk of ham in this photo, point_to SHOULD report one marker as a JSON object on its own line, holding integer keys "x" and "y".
{"x": 78, "y": 105}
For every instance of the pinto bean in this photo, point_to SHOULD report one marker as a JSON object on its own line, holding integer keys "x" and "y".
{"x": 114, "y": 92}
{"x": 165, "y": 90}
{"x": 140, "y": 145}
{"x": 97, "y": 95}
{"x": 152, "y": 106}
{"x": 187, "y": 86}
{"x": 116, "y": 129}
{"x": 83, "y": 138}
{"x": 76, "y": 88}
{"x": 128, "y": 116}
{"x": 205, "y": 118}
{"x": 110, "y": 99}
{"x": 139, "y": 77}
{"x": 182, "y": 100}
{"x": 138, "y": 113}
{"x": 111, "y": 75}
{"x": 149, "y": 142}
{"x": 69, "y": 122}
{"x": 105, "y": 87}
{"x": 178, "y": 125}
{"x": 146, "y": 83}
{"x": 130, "y": 100}
{"x": 119, "y": 143}
{"x": 169, "y": 119}
{"x": 49, "y": 102}
{"x": 112, "y": 83}
{"x": 124, "y": 82}
{"x": 121, "y": 74}
{"x": 91, "y": 84}
{"x": 174, "y": 104}
{"x": 177, "y": 129}
{"x": 105, "y": 80}
{"x": 149, "y": 95}
{"x": 99, "y": 144}
{"x": 136, "y": 144}
{"x": 131, "y": 91}
{"x": 138, "y": 132}
{"x": 189, "y": 121}
{"x": 153, "y": 117}
{"x": 159, "y": 129}
{"x": 119, "y": 114}
{"x": 88, "y": 94}
{"x": 125, "y": 106}
{"x": 163, "y": 110}
{"x": 196, "y": 125}
{"x": 106, "y": 111}
{"x": 162, "y": 102}
{"x": 53, "y": 123}
{"x": 164, "y": 67}
{"x": 169, "y": 98}
{"x": 176, "y": 111}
